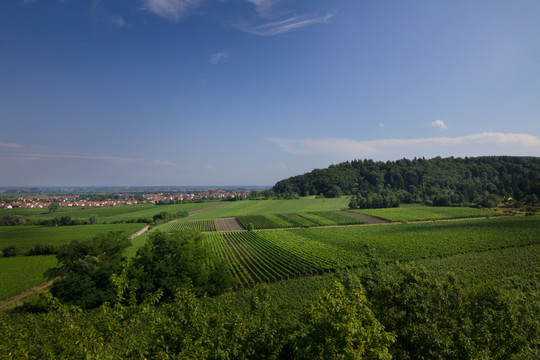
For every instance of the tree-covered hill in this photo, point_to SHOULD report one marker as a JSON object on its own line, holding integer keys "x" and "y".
{"x": 441, "y": 181}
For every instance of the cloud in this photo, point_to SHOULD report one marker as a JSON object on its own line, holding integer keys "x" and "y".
{"x": 283, "y": 26}
{"x": 118, "y": 21}
{"x": 483, "y": 143}
{"x": 38, "y": 156}
{"x": 10, "y": 145}
{"x": 263, "y": 6}
{"x": 218, "y": 57}
{"x": 170, "y": 9}
{"x": 381, "y": 125}
{"x": 209, "y": 167}
{"x": 440, "y": 124}
{"x": 164, "y": 163}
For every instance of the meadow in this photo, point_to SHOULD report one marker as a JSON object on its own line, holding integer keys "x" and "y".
{"x": 417, "y": 212}
{"x": 22, "y": 272}
{"x": 270, "y": 207}
{"x": 26, "y": 237}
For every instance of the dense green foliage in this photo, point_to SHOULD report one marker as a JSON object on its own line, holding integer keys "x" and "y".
{"x": 407, "y": 314}
{"x": 436, "y": 181}
{"x": 85, "y": 269}
{"x": 170, "y": 261}
{"x": 165, "y": 262}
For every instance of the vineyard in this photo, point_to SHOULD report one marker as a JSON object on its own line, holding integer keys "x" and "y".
{"x": 254, "y": 259}
{"x": 23, "y": 272}
{"x": 276, "y": 221}
{"x": 200, "y": 225}
{"x": 267, "y": 256}
{"x": 415, "y": 212}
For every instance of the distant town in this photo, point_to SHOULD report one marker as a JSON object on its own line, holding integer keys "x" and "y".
{"x": 117, "y": 199}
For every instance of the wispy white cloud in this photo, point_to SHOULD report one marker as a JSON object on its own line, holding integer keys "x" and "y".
{"x": 118, "y": 21}
{"x": 440, "y": 124}
{"x": 487, "y": 142}
{"x": 10, "y": 145}
{"x": 39, "y": 156}
{"x": 218, "y": 57}
{"x": 263, "y": 6}
{"x": 164, "y": 163}
{"x": 209, "y": 167}
{"x": 170, "y": 9}
{"x": 283, "y": 26}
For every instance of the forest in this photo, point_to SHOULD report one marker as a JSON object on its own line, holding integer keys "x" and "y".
{"x": 480, "y": 181}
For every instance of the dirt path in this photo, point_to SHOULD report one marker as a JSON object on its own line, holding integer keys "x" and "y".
{"x": 25, "y": 294}
{"x": 140, "y": 232}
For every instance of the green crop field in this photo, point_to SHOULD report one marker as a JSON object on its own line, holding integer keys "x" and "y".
{"x": 25, "y": 238}
{"x": 22, "y": 273}
{"x": 276, "y": 221}
{"x": 178, "y": 225}
{"x": 415, "y": 212}
{"x": 325, "y": 248}
{"x": 107, "y": 214}
{"x": 520, "y": 262}
{"x": 268, "y": 207}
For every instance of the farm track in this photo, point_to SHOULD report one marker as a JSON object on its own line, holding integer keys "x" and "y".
{"x": 140, "y": 232}
{"x": 25, "y": 294}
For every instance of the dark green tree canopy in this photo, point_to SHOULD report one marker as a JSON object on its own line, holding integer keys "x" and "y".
{"x": 435, "y": 181}
{"x": 177, "y": 260}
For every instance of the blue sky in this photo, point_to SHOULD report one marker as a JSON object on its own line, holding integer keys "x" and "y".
{"x": 248, "y": 92}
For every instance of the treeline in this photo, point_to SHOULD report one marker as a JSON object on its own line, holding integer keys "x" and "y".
{"x": 66, "y": 220}
{"x": 439, "y": 181}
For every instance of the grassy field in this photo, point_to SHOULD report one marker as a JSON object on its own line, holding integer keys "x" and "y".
{"x": 136, "y": 243}
{"x": 22, "y": 273}
{"x": 106, "y": 214}
{"x": 268, "y": 207}
{"x": 25, "y": 238}
{"x": 416, "y": 212}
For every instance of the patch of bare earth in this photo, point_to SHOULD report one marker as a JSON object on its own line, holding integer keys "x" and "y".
{"x": 229, "y": 224}
{"x": 371, "y": 220}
